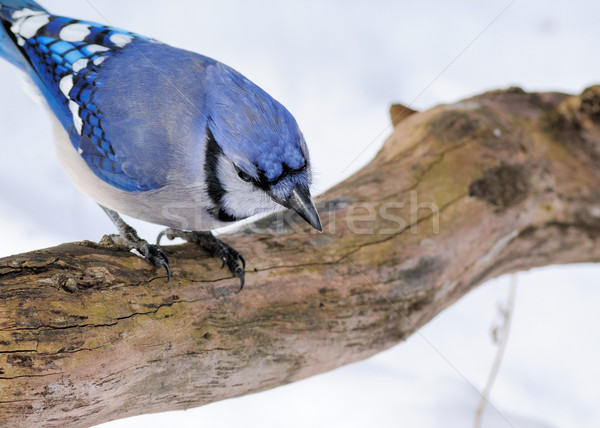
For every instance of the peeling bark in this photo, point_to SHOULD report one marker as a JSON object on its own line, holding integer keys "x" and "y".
{"x": 458, "y": 194}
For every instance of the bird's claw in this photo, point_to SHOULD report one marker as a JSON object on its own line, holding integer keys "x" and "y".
{"x": 170, "y": 234}
{"x": 155, "y": 255}
{"x": 230, "y": 257}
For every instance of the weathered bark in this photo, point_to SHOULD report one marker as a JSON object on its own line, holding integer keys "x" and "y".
{"x": 89, "y": 334}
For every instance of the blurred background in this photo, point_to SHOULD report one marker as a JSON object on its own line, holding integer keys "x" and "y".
{"x": 337, "y": 66}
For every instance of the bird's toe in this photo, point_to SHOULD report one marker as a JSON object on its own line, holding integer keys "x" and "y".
{"x": 155, "y": 255}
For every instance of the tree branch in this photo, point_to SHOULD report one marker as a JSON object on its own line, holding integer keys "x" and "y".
{"x": 458, "y": 194}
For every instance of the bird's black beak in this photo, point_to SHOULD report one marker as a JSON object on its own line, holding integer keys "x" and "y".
{"x": 301, "y": 202}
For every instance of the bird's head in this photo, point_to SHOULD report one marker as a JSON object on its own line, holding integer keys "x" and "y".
{"x": 256, "y": 157}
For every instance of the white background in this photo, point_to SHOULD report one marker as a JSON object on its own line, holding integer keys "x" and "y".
{"x": 337, "y": 66}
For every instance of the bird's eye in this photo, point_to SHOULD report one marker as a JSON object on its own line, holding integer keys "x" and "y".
{"x": 245, "y": 177}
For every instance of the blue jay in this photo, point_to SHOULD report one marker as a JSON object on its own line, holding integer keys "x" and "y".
{"x": 158, "y": 133}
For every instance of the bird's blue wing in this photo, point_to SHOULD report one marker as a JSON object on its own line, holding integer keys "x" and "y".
{"x": 67, "y": 56}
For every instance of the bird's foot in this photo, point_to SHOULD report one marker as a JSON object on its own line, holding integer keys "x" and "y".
{"x": 217, "y": 248}
{"x": 129, "y": 238}
{"x": 153, "y": 253}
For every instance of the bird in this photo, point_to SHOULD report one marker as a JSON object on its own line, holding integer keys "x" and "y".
{"x": 160, "y": 133}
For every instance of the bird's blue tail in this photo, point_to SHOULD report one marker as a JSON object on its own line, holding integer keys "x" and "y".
{"x": 8, "y": 48}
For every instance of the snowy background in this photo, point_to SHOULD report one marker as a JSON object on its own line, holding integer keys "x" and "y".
{"x": 338, "y": 65}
